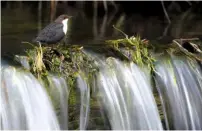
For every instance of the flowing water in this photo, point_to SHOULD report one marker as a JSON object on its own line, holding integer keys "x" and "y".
{"x": 59, "y": 92}
{"x": 85, "y": 101}
{"x": 24, "y": 102}
{"x": 180, "y": 86}
{"x": 125, "y": 93}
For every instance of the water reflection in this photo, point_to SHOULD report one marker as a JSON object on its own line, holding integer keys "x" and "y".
{"x": 22, "y": 22}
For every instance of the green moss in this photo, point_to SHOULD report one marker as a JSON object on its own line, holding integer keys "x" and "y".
{"x": 137, "y": 50}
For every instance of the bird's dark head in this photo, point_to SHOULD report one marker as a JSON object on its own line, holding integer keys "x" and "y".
{"x": 62, "y": 18}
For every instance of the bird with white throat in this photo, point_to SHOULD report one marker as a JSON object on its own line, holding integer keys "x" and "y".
{"x": 54, "y": 32}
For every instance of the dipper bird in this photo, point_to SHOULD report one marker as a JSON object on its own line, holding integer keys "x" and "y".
{"x": 54, "y": 32}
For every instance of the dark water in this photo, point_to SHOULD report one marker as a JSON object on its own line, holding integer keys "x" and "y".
{"x": 21, "y": 22}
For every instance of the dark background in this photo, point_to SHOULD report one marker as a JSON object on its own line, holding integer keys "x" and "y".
{"x": 21, "y": 21}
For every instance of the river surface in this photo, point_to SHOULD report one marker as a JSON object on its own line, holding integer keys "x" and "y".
{"x": 21, "y": 22}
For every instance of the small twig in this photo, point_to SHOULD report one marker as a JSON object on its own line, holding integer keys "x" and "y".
{"x": 166, "y": 14}
{"x": 53, "y": 9}
{"x": 105, "y": 6}
{"x": 189, "y": 2}
{"x": 24, "y": 42}
{"x": 39, "y": 15}
{"x": 113, "y": 3}
{"x": 95, "y": 32}
{"x": 166, "y": 30}
{"x": 195, "y": 47}
{"x": 48, "y": 61}
{"x": 103, "y": 27}
{"x": 186, "y": 51}
{"x": 189, "y": 39}
{"x": 121, "y": 31}
{"x": 111, "y": 17}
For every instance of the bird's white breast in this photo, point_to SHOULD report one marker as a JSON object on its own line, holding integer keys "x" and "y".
{"x": 64, "y": 22}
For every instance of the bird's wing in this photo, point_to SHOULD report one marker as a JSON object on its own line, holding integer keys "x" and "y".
{"x": 51, "y": 33}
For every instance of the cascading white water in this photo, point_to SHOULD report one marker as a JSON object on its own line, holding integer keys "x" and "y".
{"x": 85, "y": 102}
{"x": 24, "y": 102}
{"x": 60, "y": 94}
{"x": 179, "y": 82}
{"x": 125, "y": 91}
{"x": 23, "y": 60}
{"x": 23, "y": 95}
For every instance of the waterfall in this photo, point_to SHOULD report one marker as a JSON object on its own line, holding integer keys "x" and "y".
{"x": 123, "y": 90}
{"x": 85, "y": 102}
{"x": 179, "y": 82}
{"x": 60, "y": 94}
{"x": 126, "y": 92}
{"x": 24, "y": 102}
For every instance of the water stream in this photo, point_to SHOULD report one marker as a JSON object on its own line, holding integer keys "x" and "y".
{"x": 125, "y": 93}
{"x": 59, "y": 92}
{"x": 24, "y": 102}
{"x": 85, "y": 101}
{"x": 179, "y": 84}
